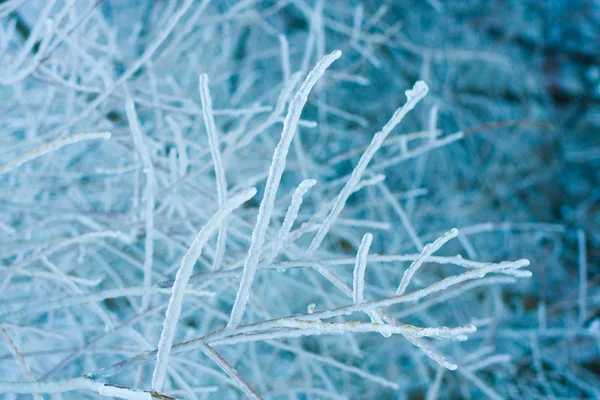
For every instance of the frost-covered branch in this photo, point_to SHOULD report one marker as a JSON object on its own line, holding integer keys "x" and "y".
{"x": 181, "y": 281}
{"x": 276, "y": 170}
{"x": 50, "y": 147}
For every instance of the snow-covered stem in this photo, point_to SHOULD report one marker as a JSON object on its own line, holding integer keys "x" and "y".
{"x": 50, "y": 147}
{"x": 310, "y": 224}
{"x": 428, "y": 250}
{"x": 74, "y": 384}
{"x": 360, "y": 269}
{"x": 413, "y": 96}
{"x": 290, "y": 217}
{"x": 475, "y": 273}
{"x": 149, "y": 192}
{"x": 429, "y": 352}
{"x": 285, "y": 57}
{"x": 182, "y": 157}
{"x": 181, "y": 281}
{"x": 215, "y": 151}
{"x": 242, "y": 333}
{"x": 277, "y": 166}
{"x": 487, "y": 361}
{"x": 319, "y": 328}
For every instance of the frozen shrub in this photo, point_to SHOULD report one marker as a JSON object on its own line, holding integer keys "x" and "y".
{"x": 259, "y": 198}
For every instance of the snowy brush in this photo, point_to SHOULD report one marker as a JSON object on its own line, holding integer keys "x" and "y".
{"x": 227, "y": 199}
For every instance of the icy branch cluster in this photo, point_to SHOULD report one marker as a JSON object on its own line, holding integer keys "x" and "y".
{"x": 218, "y": 199}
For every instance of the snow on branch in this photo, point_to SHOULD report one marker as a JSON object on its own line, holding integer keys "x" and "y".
{"x": 276, "y": 170}
{"x": 360, "y": 268}
{"x": 181, "y": 281}
{"x": 50, "y": 147}
{"x": 413, "y": 96}
{"x": 428, "y": 250}
{"x": 213, "y": 141}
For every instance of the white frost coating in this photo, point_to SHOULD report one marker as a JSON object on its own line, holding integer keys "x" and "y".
{"x": 429, "y": 352}
{"x": 138, "y": 139}
{"x": 475, "y": 273}
{"x": 291, "y": 215}
{"x": 52, "y": 146}
{"x": 428, "y": 250}
{"x": 348, "y": 291}
{"x": 285, "y": 57}
{"x": 182, "y": 157}
{"x": 486, "y": 362}
{"x": 71, "y": 385}
{"x": 446, "y": 332}
{"x": 307, "y": 226}
{"x": 369, "y": 182}
{"x": 277, "y": 166}
{"x": 360, "y": 268}
{"x": 215, "y": 152}
{"x": 181, "y": 281}
{"x": 292, "y": 212}
{"x": 123, "y": 393}
{"x": 413, "y": 96}
{"x": 319, "y": 328}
